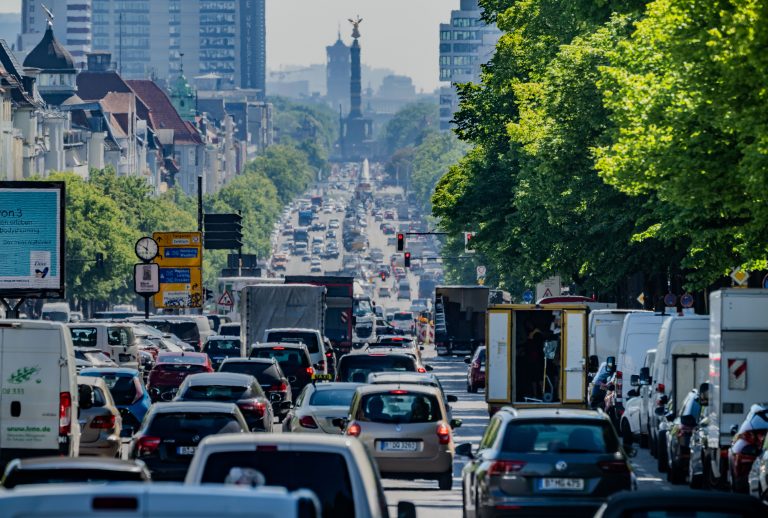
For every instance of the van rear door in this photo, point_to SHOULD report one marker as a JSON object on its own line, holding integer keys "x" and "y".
{"x": 30, "y": 380}
{"x": 574, "y": 352}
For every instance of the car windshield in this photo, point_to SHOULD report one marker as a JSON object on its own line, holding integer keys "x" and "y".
{"x": 292, "y": 470}
{"x": 186, "y": 331}
{"x": 21, "y": 477}
{"x": 399, "y": 406}
{"x": 222, "y": 347}
{"x": 332, "y": 397}
{"x": 124, "y": 389}
{"x": 214, "y": 393}
{"x": 364, "y": 330}
{"x": 560, "y": 436}
{"x": 229, "y": 330}
{"x": 184, "y": 425}
{"x": 403, "y": 316}
{"x": 308, "y": 339}
{"x": 356, "y": 368}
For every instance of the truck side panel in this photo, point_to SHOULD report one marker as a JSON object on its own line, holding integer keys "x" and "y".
{"x": 574, "y": 344}
{"x": 278, "y": 306}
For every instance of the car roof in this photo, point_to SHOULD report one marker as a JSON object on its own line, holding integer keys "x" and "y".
{"x": 296, "y": 329}
{"x": 401, "y": 377}
{"x": 247, "y": 440}
{"x": 555, "y": 413}
{"x": 120, "y": 371}
{"x": 621, "y": 503}
{"x": 220, "y": 378}
{"x": 331, "y": 385}
{"x": 194, "y": 406}
{"x": 91, "y": 380}
{"x": 79, "y": 463}
{"x": 384, "y": 352}
{"x": 181, "y": 353}
{"x": 83, "y": 349}
{"x": 284, "y": 345}
{"x": 222, "y": 337}
{"x": 386, "y": 387}
{"x": 249, "y": 360}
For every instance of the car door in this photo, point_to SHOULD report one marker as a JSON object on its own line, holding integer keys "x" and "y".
{"x": 574, "y": 344}
{"x": 470, "y": 479}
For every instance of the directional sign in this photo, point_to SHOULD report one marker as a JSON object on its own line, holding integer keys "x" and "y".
{"x": 180, "y": 288}
{"x": 226, "y": 299}
{"x": 179, "y": 249}
{"x": 641, "y": 299}
{"x": 686, "y": 300}
{"x": 739, "y": 276}
{"x": 527, "y": 296}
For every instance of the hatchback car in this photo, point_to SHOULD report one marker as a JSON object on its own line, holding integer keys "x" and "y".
{"x": 100, "y": 421}
{"x": 406, "y": 429}
{"x": 356, "y": 366}
{"x": 72, "y": 470}
{"x": 171, "y": 432}
{"x": 230, "y": 329}
{"x": 544, "y": 461}
{"x": 293, "y": 359}
{"x": 170, "y": 370}
{"x": 319, "y": 406}
{"x": 476, "y": 370}
{"x": 226, "y": 387}
{"x": 220, "y": 347}
{"x": 128, "y": 392}
{"x": 270, "y": 376}
{"x": 413, "y": 378}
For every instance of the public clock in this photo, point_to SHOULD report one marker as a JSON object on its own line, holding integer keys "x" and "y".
{"x": 146, "y": 248}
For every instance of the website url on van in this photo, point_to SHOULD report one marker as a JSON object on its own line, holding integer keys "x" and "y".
{"x": 38, "y": 429}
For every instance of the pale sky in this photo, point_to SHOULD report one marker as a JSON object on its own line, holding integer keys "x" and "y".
{"x": 398, "y": 34}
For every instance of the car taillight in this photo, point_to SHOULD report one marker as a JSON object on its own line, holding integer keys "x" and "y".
{"x": 619, "y": 386}
{"x": 660, "y": 388}
{"x": 279, "y": 387}
{"x": 254, "y": 406}
{"x": 147, "y": 445}
{"x": 328, "y": 354}
{"x": 103, "y": 422}
{"x": 307, "y": 422}
{"x": 750, "y": 437}
{"x": 354, "y": 430}
{"x": 65, "y": 413}
{"x": 503, "y": 467}
{"x": 443, "y": 433}
{"x": 613, "y": 466}
{"x": 310, "y": 370}
{"x": 421, "y": 370}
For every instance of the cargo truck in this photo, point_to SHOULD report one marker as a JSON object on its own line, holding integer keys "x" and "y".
{"x": 738, "y": 362}
{"x": 305, "y": 217}
{"x": 536, "y": 356}
{"x": 459, "y": 318}
{"x": 338, "y": 307}
{"x": 270, "y": 306}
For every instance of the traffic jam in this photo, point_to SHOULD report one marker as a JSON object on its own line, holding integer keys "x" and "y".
{"x": 349, "y": 380}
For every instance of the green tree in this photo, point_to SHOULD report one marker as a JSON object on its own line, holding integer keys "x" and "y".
{"x": 410, "y": 126}
{"x": 430, "y": 161}
{"x": 287, "y": 168}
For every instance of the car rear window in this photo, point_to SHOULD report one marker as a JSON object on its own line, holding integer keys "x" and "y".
{"x": 83, "y": 336}
{"x": 290, "y": 469}
{"x": 308, "y": 339}
{"x": 403, "y": 316}
{"x": 184, "y": 425}
{"x": 559, "y": 437}
{"x": 357, "y": 367}
{"x": 215, "y": 393}
{"x": 223, "y": 347}
{"x": 187, "y": 331}
{"x": 399, "y": 406}
{"x": 69, "y": 476}
{"x": 124, "y": 389}
{"x": 289, "y": 359}
{"x": 229, "y": 330}
{"x": 179, "y": 367}
{"x": 332, "y": 397}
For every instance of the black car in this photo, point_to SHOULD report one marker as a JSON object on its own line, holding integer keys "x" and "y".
{"x": 293, "y": 358}
{"x": 72, "y": 470}
{"x": 542, "y": 461}
{"x": 356, "y": 366}
{"x": 171, "y": 432}
{"x": 271, "y": 378}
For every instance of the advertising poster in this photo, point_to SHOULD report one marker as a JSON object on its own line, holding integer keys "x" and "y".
{"x": 32, "y": 238}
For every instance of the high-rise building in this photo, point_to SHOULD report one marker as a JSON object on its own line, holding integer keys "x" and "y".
{"x": 71, "y": 20}
{"x": 225, "y": 39}
{"x": 338, "y": 71}
{"x": 466, "y": 43}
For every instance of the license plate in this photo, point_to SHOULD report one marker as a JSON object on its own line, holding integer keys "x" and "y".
{"x": 561, "y": 484}
{"x": 185, "y": 450}
{"x": 399, "y": 446}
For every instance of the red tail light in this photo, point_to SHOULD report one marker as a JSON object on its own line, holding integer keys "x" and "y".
{"x": 253, "y": 406}
{"x": 353, "y": 429}
{"x": 103, "y": 422}
{"x": 328, "y": 354}
{"x": 398, "y": 392}
{"x": 619, "y": 386}
{"x": 503, "y": 467}
{"x": 279, "y": 387}
{"x": 443, "y": 433}
{"x": 65, "y": 413}
{"x": 422, "y": 370}
{"x": 660, "y": 388}
{"x": 278, "y": 348}
{"x": 307, "y": 422}
{"x": 310, "y": 370}
{"x": 614, "y": 466}
{"x": 750, "y": 437}
{"x": 147, "y": 445}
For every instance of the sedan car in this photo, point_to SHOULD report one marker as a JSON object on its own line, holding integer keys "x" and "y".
{"x": 318, "y": 406}
{"x": 746, "y": 447}
{"x": 127, "y": 389}
{"x": 544, "y": 461}
{"x": 406, "y": 429}
{"x": 679, "y": 503}
{"x": 270, "y": 376}
{"x": 100, "y": 421}
{"x": 72, "y": 470}
{"x": 240, "y": 389}
{"x": 476, "y": 370}
{"x": 171, "y": 432}
{"x": 171, "y": 369}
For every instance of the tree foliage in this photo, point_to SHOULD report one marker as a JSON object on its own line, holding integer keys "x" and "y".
{"x": 409, "y": 127}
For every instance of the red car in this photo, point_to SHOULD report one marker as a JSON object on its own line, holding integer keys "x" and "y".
{"x": 746, "y": 447}
{"x": 476, "y": 370}
{"x": 171, "y": 369}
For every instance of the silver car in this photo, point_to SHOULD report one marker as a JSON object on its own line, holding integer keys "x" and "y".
{"x": 100, "y": 421}
{"x": 318, "y": 406}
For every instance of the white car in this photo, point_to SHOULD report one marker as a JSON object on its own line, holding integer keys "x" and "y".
{"x": 318, "y": 406}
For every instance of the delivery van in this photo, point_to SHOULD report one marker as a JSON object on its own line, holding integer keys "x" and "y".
{"x": 56, "y": 312}
{"x": 38, "y": 390}
{"x": 116, "y": 340}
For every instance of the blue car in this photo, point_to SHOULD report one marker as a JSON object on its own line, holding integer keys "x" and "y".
{"x": 128, "y": 390}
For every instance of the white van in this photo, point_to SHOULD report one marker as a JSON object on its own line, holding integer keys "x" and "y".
{"x": 56, "y": 312}
{"x": 605, "y": 331}
{"x": 38, "y": 390}
{"x": 116, "y": 340}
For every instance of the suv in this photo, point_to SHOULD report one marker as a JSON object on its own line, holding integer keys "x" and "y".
{"x": 293, "y": 360}
{"x": 312, "y": 338}
{"x": 271, "y": 378}
{"x": 356, "y": 366}
{"x": 544, "y": 461}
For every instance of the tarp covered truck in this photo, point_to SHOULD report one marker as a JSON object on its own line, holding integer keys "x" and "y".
{"x": 459, "y": 318}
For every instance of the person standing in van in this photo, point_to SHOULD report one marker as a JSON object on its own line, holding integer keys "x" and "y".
{"x": 533, "y": 372}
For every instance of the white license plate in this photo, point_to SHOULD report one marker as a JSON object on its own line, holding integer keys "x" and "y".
{"x": 185, "y": 450}
{"x": 399, "y": 446}
{"x": 561, "y": 484}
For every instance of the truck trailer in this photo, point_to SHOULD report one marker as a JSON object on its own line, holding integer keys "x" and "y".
{"x": 459, "y": 318}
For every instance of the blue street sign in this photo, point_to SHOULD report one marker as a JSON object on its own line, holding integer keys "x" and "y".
{"x": 686, "y": 300}
{"x": 765, "y": 282}
{"x": 527, "y": 296}
{"x": 670, "y": 299}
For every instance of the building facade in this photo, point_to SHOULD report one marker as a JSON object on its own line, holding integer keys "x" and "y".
{"x": 338, "y": 71}
{"x": 72, "y": 21}
{"x": 466, "y": 43}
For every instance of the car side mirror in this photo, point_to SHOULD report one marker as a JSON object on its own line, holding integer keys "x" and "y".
{"x": 634, "y": 380}
{"x": 154, "y": 394}
{"x": 406, "y": 510}
{"x": 594, "y": 363}
{"x": 339, "y": 422}
{"x": 734, "y": 429}
{"x": 85, "y": 396}
{"x": 428, "y": 368}
{"x": 631, "y": 452}
{"x": 451, "y": 398}
{"x": 669, "y": 416}
{"x": 645, "y": 376}
{"x": 455, "y": 423}
{"x": 467, "y": 359}
{"x": 610, "y": 387}
{"x": 465, "y": 450}
{"x": 421, "y": 348}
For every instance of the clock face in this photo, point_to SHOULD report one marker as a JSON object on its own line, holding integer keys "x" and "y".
{"x": 146, "y": 248}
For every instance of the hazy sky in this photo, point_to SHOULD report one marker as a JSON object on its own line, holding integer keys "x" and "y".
{"x": 397, "y": 34}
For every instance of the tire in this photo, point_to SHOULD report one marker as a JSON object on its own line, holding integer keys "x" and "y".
{"x": 694, "y": 481}
{"x": 469, "y": 387}
{"x": 644, "y": 440}
{"x": 627, "y": 438}
{"x": 445, "y": 481}
{"x": 661, "y": 451}
{"x": 473, "y": 389}
{"x": 674, "y": 474}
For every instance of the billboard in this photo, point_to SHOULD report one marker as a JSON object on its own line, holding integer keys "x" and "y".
{"x": 32, "y": 239}
{"x": 180, "y": 261}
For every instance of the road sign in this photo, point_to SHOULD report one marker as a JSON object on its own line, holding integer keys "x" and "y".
{"x": 670, "y": 300}
{"x": 180, "y": 288}
{"x": 765, "y": 282}
{"x": 739, "y": 276}
{"x": 146, "y": 278}
{"x": 686, "y": 300}
{"x": 527, "y": 296}
{"x": 226, "y": 299}
{"x": 549, "y": 288}
{"x": 480, "y": 271}
{"x": 641, "y": 299}
{"x": 179, "y": 249}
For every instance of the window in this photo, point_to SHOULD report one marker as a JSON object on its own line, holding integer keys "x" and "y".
{"x": 332, "y": 397}
{"x": 446, "y": 35}
{"x": 184, "y": 425}
{"x": 225, "y": 393}
{"x": 399, "y": 406}
{"x": 559, "y": 436}
{"x": 489, "y": 437}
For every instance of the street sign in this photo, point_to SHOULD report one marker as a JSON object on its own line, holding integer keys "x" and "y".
{"x": 548, "y": 288}
{"x": 480, "y": 271}
{"x": 223, "y": 231}
{"x": 739, "y": 276}
{"x": 226, "y": 299}
{"x": 686, "y": 300}
{"x": 481, "y": 281}
{"x": 527, "y": 296}
{"x": 670, "y": 300}
{"x": 180, "y": 288}
{"x": 765, "y": 282}
{"x": 146, "y": 278}
{"x": 641, "y": 299}
{"x": 179, "y": 249}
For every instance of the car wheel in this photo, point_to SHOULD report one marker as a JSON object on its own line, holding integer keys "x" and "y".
{"x": 643, "y": 440}
{"x": 626, "y": 434}
{"x": 674, "y": 473}
{"x": 445, "y": 480}
{"x": 652, "y": 442}
{"x": 474, "y": 389}
{"x": 469, "y": 387}
{"x": 661, "y": 451}
{"x": 694, "y": 481}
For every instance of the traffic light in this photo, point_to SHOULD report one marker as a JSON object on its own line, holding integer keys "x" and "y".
{"x": 223, "y": 231}
{"x": 469, "y": 245}
{"x": 407, "y": 259}
{"x": 99, "y": 260}
{"x": 401, "y": 242}
{"x": 208, "y": 294}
